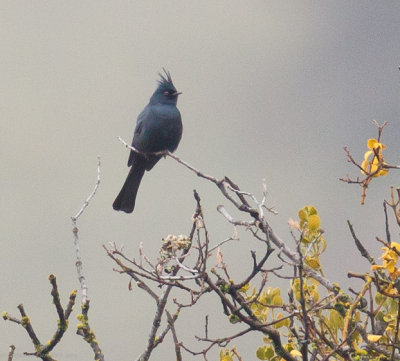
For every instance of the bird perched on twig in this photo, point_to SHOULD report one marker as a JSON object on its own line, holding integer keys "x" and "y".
{"x": 158, "y": 129}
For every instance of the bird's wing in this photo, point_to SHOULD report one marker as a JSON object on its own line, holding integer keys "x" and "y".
{"x": 144, "y": 115}
{"x": 138, "y": 141}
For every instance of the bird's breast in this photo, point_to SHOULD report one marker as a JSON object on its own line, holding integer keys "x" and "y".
{"x": 161, "y": 130}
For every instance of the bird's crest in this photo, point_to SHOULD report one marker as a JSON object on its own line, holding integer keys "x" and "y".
{"x": 166, "y": 80}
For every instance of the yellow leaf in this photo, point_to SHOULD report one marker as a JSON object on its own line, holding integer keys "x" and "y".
{"x": 323, "y": 245}
{"x": 312, "y": 210}
{"x": 295, "y": 353}
{"x": 335, "y": 320}
{"x": 315, "y": 295}
{"x": 314, "y": 222}
{"x": 226, "y": 358}
{"x": 371, "y": 143}
{"x": 373, "y": 167}
{"x": 282, "y": 323}
{"x": 314, "y": 282}
{"x": 302, "y": 215}
{"x": 373, "y": 338}
{"x": 379, "y": 146}
{"x": 276, "y": 301}
{"x": 367, "y": 154}
{"x": 375, "y": 266}
{"x": 245, "y": 288}
{"x": 391, "y": 266}
{"x": 225, "y": 355}
{"x": 313, "y": 262}
{"x": 364, "y": 166}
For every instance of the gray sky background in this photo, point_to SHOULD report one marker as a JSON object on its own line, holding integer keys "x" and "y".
{"x": 271, "y": 89}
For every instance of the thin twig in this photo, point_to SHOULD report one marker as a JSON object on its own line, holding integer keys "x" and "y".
{"x": 11, "y": 352}
{"x": 78, "y": 262}
{"x": 171, "y": 323}
{"x": 87, "y": 333}
{"x": 91, "y": 195}
{"x": 361, "y": 248}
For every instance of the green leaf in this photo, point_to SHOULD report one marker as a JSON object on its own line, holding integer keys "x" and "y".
{"x": 265, "y": 353}
{"x": 233, "y": 318}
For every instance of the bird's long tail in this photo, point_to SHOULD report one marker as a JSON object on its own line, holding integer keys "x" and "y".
{"x": 126, "y": 198}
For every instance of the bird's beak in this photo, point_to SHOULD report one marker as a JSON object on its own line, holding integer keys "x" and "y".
{"x": 176, "y": 94}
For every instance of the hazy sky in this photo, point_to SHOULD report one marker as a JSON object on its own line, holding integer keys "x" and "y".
{"x": 271, "y": 89}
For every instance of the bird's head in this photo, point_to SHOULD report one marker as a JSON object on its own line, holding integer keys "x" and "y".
{"x": 166, "y": 92}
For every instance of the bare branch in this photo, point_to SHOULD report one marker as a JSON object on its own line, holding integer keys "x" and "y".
{"x": 11, "y": 352}
{"x": 221, "y": 209}
{"x": 361, "y": 248}
{"x": 78, "y": 262}
{"x": 87, "y": 333}
{"x": 91, "y": 195}
{"x": 43, "y": 350}
{"x": 171, "y": 322}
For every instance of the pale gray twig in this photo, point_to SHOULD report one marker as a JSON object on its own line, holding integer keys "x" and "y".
{"x": 78, "y": 262}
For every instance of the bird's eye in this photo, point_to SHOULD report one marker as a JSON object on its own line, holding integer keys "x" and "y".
{"x": 166, "y": 93}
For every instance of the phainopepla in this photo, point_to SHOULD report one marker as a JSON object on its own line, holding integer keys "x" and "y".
{"x": 158, "y": 128}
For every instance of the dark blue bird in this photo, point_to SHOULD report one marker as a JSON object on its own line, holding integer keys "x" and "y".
{"x": 158, "y": 128}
